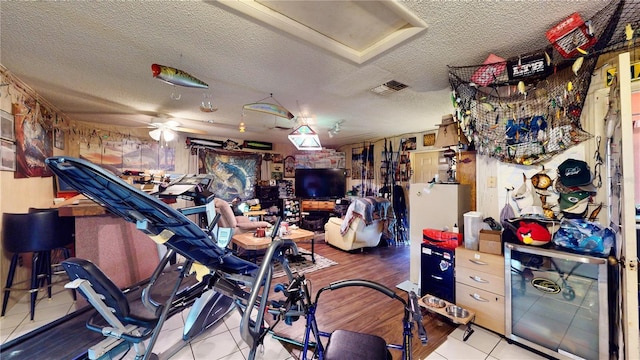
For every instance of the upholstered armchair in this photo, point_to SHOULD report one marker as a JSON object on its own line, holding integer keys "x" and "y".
{"x": 358, "y": 235}
{"x": 239, "y": 224}
{"x": 364, "y": 223}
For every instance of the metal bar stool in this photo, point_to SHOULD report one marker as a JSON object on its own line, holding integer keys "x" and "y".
{"x": 37, "y": 232}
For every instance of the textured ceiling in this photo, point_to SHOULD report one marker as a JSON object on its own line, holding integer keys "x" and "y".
{"x": 92, "y": 60}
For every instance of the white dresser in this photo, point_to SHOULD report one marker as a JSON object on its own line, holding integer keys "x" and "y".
{"x": 480, "y": 287}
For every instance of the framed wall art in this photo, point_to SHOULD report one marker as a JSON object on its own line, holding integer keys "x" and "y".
{"x": 429, "y": 139}
{"x": 409, "y": 144}
{"x": 289, "y": 167}
{"x": 58, "y": 139}
{"x": 7, "y": 156}
{"x": 7, "y": 129}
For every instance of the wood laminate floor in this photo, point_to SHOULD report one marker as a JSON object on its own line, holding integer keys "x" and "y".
{"x": 360, "y": 309}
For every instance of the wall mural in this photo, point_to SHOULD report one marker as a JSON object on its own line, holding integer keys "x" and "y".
{"x": 128, "y": 154}
{"x": 362, "y": 162}
{"x": 34, "y": 138}
{"x": 235, "y": 174}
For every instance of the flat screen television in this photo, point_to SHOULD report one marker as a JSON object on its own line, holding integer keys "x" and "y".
{"x": 320, "y": 183}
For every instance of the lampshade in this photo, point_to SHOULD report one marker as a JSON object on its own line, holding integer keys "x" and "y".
{"x": 304, "y": 138}
{"x": 165, "y": 134}
{"x": 449, "y": 134}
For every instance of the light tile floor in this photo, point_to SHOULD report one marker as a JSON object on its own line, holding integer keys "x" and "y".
{"x": 222, "y": 341}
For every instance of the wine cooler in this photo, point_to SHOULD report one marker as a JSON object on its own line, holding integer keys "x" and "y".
{"x": 556, "y": 302}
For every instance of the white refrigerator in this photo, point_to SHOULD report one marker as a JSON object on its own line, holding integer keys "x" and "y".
{"x": 434, "y": 206}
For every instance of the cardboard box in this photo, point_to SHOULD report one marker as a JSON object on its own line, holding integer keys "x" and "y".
{"x": 490, "y": 241}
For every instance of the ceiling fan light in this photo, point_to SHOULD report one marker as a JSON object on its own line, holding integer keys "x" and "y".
{"x": 169, "y": 135}
{"x": 155, "y": 134}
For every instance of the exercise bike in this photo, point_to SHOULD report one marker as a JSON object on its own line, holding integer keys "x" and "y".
{"x": 343, "y": 344}
{"x": 217, "y": 268}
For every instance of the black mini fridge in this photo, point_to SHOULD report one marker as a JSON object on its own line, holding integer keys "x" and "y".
{"x": 437, "y": 272}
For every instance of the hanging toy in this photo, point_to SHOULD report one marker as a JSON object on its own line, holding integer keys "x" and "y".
{"x": 522, "y": 88}
{"x": 629, "y": 32}
{"x": 577, "y": 65}
{"x": 175, "y": 76}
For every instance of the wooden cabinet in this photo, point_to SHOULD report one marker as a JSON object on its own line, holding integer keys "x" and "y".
{"x": 480, "y": 287}
{"x": 466, "y": 173}
{"x": 318, "y": 205}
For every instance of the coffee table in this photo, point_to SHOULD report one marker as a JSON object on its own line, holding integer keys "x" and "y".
{"x": 249, "y": 242}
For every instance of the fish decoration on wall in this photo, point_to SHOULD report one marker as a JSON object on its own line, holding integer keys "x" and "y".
{"x": 175, "y": 76}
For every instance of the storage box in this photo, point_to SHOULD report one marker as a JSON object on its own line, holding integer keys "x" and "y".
{"x": 569, "y": 35}
{"x": 442, "y": 239}
{"x": 491, "y": 241}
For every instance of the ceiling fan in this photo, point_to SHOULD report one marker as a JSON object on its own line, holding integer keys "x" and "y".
{"x": 281, "y": 127}
{"x": 167, "y": 130}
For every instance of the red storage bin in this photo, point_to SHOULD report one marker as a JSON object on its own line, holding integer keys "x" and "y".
{"x": 442, "y": 239}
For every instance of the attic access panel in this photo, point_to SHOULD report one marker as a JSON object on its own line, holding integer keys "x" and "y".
{"x": 355, "y": 30}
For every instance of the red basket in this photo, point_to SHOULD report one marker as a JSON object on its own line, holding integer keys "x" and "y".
{"x": 442, "y": 239}
{"x": 569, "y": 35}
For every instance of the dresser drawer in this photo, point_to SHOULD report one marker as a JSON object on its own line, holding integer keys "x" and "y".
{"x": 481, "y": 280}
{"x": 326, "y": 205}
{"x": 475, "y": 260}
{"x": 488, "y": 307}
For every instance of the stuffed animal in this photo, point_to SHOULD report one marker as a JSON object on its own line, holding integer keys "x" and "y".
{"x": 533, "y": 233}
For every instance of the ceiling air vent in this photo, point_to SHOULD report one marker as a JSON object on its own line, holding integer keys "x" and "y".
{"x": 388, "y": 87}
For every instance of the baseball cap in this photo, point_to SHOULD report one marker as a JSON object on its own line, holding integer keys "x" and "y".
{"x": 562, "y": 189}
{"x": 574, "y": 172}
{"x": 575, "y": 202}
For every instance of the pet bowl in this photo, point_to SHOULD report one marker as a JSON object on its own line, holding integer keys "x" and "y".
{"x": 435, "y": 302}
{"x": 457, "y": 311}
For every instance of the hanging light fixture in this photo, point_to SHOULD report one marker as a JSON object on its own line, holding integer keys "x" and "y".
{"x": 162, "y": 134}
{"x": 269, "y": 108}
{"x": 304, "y": 138}
{"x": 242, "y": 127}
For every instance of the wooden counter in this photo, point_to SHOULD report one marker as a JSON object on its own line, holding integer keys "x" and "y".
{"x": 125, "y": 254}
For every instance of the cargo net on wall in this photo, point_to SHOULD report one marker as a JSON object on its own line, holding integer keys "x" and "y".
{"x": 524, "y": 124}
{"x": 527, "y": 109}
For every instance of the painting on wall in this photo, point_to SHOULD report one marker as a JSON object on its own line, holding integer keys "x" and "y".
{"x": 362, "y": 162}
{"x": 112, "y": 154}
{"x": 409, "y": 144}
{"x": 235, "y": 174}
{"x": 429, "y": 139}
{"x": 289, "y": 167}
{"x": 167, "y": 158}
{"x": 131, "y": 155}
{"x": 34, "y": 139}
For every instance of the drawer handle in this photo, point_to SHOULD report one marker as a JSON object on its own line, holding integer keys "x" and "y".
{"x": 477, "y": 262}
{"x": 478, "y": 279}
{"x": 478, "y": 297}
{"x": 436, "y": 277}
